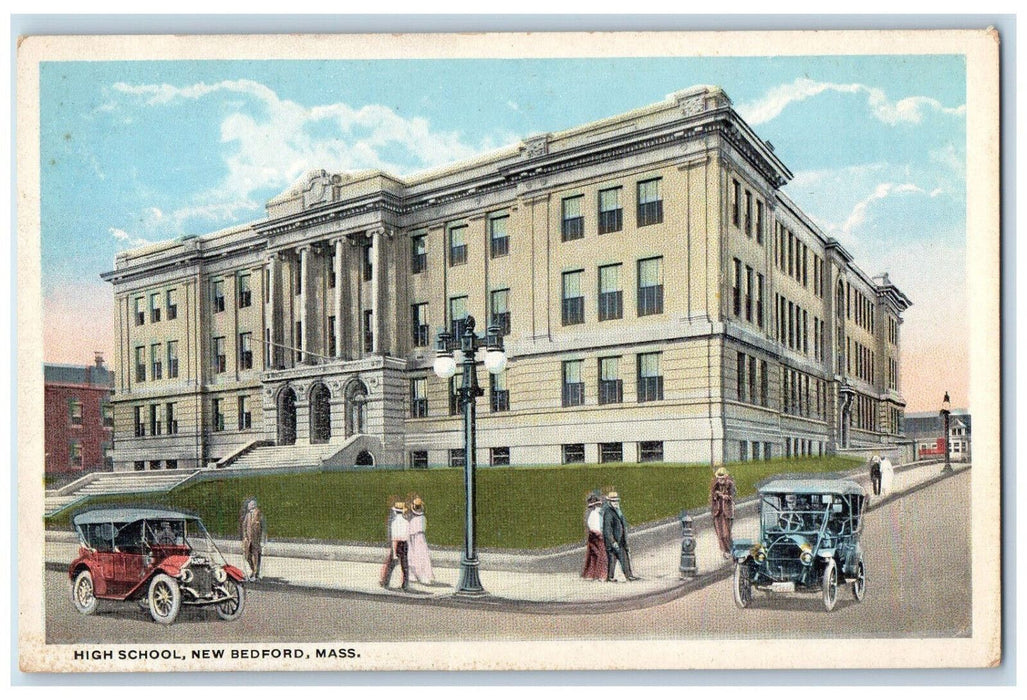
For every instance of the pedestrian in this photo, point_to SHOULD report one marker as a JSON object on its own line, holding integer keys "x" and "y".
{"x": 615, "y": 538}
{"x": 875, "y": 474}
{"x": 253, "y": 532}
{"x": 887, "y": 475}
{"x": 595, "y": 548}
{"x": 399, "y": 535}
{"x": 722, "y": 507}
{"x": 418, "y": 555}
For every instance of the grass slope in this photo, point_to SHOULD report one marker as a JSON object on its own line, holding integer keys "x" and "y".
{"x": 530, "y": 508}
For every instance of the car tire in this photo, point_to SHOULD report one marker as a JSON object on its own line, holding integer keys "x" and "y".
{"x": 232, "y": 609}
{"x": 83, "y": 594}
{"x": 829, "y": 584}
{"x": 743, "y": 585}
{"x": 165, "y": 599}
{"x": 859, "y": 585}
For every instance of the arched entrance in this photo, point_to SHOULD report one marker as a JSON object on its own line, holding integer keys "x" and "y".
{"x": 365, "y": 459}
{"x": 320, "y": 414}
{"x": 287, "y": 416}
{"x": 356, "y": 408}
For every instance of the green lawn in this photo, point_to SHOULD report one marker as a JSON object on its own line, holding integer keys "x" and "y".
{"x": 529, "y": 508}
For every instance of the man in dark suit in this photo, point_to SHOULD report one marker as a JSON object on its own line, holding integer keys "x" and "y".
{"x": 615, "y": 536}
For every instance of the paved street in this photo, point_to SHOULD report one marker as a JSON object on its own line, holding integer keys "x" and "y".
{"x": 917, "y": 555}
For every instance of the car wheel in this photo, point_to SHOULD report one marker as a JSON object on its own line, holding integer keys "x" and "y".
{"x": 165, "y": 599}
{"x": 231, "y": 609}
{"x": 859, "y": 586}
{"x": 83, "y": 595}
{"x": 830, "y": 585}
{"x": 743, "y": 585}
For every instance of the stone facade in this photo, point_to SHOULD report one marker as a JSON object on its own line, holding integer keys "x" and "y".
{"x": 665, "y": 301}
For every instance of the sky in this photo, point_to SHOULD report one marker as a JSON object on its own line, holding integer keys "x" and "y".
{"x": 145, "y": 151}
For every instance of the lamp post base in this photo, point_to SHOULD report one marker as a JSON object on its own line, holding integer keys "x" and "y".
{"x": 470, "y": 584}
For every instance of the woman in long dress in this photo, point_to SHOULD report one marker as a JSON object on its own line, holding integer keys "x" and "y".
{"x": 887, "y": 475}
{"x": 419, "y": 556}
{"x": 595, "y": 547}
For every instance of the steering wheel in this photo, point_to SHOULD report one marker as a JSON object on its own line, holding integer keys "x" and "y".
{"x": 165, "y": 538}
{"x": 790, "y": 522}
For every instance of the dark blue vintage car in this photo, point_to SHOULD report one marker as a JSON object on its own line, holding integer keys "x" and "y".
{"x": 809, "y": 541}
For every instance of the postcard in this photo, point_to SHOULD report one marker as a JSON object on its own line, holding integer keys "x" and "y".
{"x": 547, "y": 351}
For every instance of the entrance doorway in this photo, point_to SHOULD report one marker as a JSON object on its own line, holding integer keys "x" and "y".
{"x": 320, "y": 414}
{"x": 287, "y": 416}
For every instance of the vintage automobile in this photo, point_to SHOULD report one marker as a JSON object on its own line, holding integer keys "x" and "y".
{"x": 163, "y": 559}
{"x": 809, "y": 541}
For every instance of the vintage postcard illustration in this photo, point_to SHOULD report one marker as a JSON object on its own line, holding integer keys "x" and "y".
{"x": 547, "y": 351}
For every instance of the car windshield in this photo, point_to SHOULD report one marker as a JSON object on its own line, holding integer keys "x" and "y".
{"x": 794, "y": 512}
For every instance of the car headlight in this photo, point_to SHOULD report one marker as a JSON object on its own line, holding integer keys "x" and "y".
{"x": 186, "y": 575}
{"x": 806, "y": 556}
{"x": 759, "y": 553}
{"x": 220, "y": 575}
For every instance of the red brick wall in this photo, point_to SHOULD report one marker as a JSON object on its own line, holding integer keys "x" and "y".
{"x": 59, "y": 432}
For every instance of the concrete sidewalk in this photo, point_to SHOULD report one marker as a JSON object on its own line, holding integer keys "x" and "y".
{"x": 536, "y": 582}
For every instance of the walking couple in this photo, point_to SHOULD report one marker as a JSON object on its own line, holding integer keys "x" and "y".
{"x": 408, "y": 546}
{"x": 607, "y": 541}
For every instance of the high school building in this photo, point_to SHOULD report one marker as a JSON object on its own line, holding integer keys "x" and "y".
{"x": 662, "y": 300}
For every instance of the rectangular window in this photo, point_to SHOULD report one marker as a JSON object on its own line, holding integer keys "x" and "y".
{"x": 499, "y": 237}
{"x": 499, "y": 456}
{"x": 155, "y": 421}
{"x": 759, "y": 222}
{"x": 332, "y": 346}
{"x": 418, "y": 254}
{"x": 419, "y": 397}
{"x": 368, "y": 263}
{"x": 748, "y": 293}
{"x": 245, "y": 294}
{"x": 217, "y": 295}
{"x": 736, "y": 288}
{"x": 650, "y": 286}
{"x": 245, "y": 417}
{"x": 172, "y": 359}
{"x": 455, "y": 384}
{"x": 217, "y": 417}
{"x": 140, "y": 311}
{"x": 650, "y": 451}
{"x": 650, "y": 205}
{"x": 791, "y": 255}
{"x": 611, "y": 387}
{"x": 736, "y": 202}
{"x": 457, "y": 245}
{"x": 420, "y": 331}
{"x": 457, "y": 315}
{"x": 499, "y": 302}
{"x": 171, "y": 464}
{"x": 574, "y": 453}
{"x": 156, "y": 371}
{"x": 764, "y": 383}
{"x": 170, "y": 419}
{"x": 419, "y": 459}
{"x": 572, "y": 218}
{"x": 139, "y": 465}
{"x": 499, "y": 394}
{"x": 219, "y": 359}
{"x": 768, "y": 451}
{"x": 75, "y": 411}
{"x": 748, "y": 213}
{"x": 743, "y": 451}
{"x": 297, "y": 277}
{"x": 610, "y": 294}
{"x": 573, "y": 308}
{"x": 137, "y": 421}
{"x": 155, "y": 307}
{"x": 759, "y": 300}
{"x": 753, "y": 397}
{"x": 573, "y": 383}
{"x": 650, "y": 379}
{"x": 75, "y": 453}
{"x": 107, "y": 411}
{"x": 246, "y": 350}
{"x": 141, "y": 363}
{"x": 172, "y": 305}
{"x": 740, "y": 376}
{"x": 331, "y": 269}
{"x": 611, "y": 452}
{"x": 154, "y": 464}
{"x": 368, "y": 330}
{"x": 611, "y": 214}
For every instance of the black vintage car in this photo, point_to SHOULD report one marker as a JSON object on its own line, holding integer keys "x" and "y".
{"x": 809, "y": 541}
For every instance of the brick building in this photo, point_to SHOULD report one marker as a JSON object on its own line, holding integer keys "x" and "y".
{"x": 79, "y": 417}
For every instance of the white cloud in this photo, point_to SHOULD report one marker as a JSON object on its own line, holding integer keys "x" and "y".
{"x": 883, "y": 190}
{"x": 908, "y": 109}
{"x": 127, "y": 239}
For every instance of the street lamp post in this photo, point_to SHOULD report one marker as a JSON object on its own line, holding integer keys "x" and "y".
{"x": 445, "y": 367}
{"x": 945, "y": 413}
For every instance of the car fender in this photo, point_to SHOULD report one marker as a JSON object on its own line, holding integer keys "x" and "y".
{"x": 826, "y": 553}
{"x": 234, "y": 573}
{"x": 172, "y": 566}
{"x": 99, "y": 582}
{"x": 741, "y": 549}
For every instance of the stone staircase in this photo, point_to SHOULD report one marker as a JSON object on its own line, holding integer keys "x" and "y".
{"x": 109, "y": 483}
{"x": 285, "y": 456}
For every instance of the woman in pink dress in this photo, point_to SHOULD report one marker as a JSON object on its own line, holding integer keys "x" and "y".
{"x": 419, "y": 556}
{"x": 595, "y": 548}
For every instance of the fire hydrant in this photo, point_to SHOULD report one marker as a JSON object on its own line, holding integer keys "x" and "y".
{"x": 687, "y": 566}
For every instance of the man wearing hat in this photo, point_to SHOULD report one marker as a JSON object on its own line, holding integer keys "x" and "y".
{"x": 722, "y": 506}
{"x": 595, "y": 550}
{"x": 615, "y": 536}
{"x": 399, "y": 534}
{"x": 875, "y": 474}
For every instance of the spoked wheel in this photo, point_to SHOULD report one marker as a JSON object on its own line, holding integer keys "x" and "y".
{"x": 743, "y": 585}
{"x": 165, "y": 598}
{"x": 830, "y": 585}
{"x": 232, "y": 608}
{"x": 82, "y": 593}
{"x": 859, "y": 586}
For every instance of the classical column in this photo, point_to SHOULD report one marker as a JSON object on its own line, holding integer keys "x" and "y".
{"x": 269, "y": 309}
{"x": 338, "y": 296}
{"x": 376, "y": 276}
{"x": 305, "y": 282}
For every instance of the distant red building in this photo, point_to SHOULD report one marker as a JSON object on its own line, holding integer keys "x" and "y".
{"x": 78, "y": 419}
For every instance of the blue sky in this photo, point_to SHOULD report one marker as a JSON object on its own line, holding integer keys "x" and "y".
{"x": 142, "y": 151}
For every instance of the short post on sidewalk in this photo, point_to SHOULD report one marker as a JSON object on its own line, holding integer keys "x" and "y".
{"x": 687, "y": 566}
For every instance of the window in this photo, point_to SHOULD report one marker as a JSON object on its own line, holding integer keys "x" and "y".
{"x": 154, "y": 464}
{"x": 759, "y": 222}
{"x": 171, "y": 464}
{"x": 217, "y": 417}
{"x": 573, "y": 221}
{"x": 75, "y": 411}
{"x": 368, "y": 330}
{"x": 107, "y": 411}
{"x": 155, "y": 361}
{"x": 499, "y": 456}
{"x": 736, "y": 288}
{"x": 499, "y": 238}
{"x": 245, "y": 294}
{"x": 245, "y": 417}
{"x": 764, "y": 383}
{"x": 137, "y": 421}
{"x": 457, "y": 245}
{"x": 368, "y": 263}
{"x": 456, "y": 382}
{"x": 171, "y": 418}
{"x": 141, "y": 364}
{"x": 297, "y": 277}
{"x": 219, "y": 360}
{"x": 740, "y": 376}
{"x": 611, "y": 388}
{"x": 419, "y": 459}
{"x": 418, "y": 397}
{"x": 218, "y": 295}
{"x": 172, "y": 359}
{"x": 456, "y": 458}
{"x": 419, "y": 324}
{"x": 736, "y": 202}
{"x": 500, "y": 309}
{"x": 155, "y": 307}
{"x": 573, "y": 384}
{"x": 418, "y": 254}
{"x": 499, "y": 394}
{"x": 611, "y": 300}
{"x": 650, "y": 451}
{"x": 748, "y": 213}
{"x": 246, "y": 351}
{"x": 767, "y": 451}
{"x": 574, "y": 453}
{"x": 743, "y": 451}
{"x": 331, "y": 271}
{"x": 753, "y": 364}
{"x": 139, "y": 465}
{"x": 155, "y": 422}
{"x": 650, "y": 380}
{"x": 650, "y": 206}
{"x": 650, "y": 286}
{"x": 332, "y": 347}
{"x": 172, "y": 305}
{"x": 573, "y": 298}
{"x": 75, "y": 453}
{"x": 140, "y": 311}
{"x": 611, "y": 452}
{"x": 748, "y": 293}
{"x": 759, "y": 300}
{"x": 457, "y": 315}
{"x": 611, "y": 215}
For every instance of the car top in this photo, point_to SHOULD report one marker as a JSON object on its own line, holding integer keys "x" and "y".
{"x": 128, "y": 515}
{"x": 835, "y": 486}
